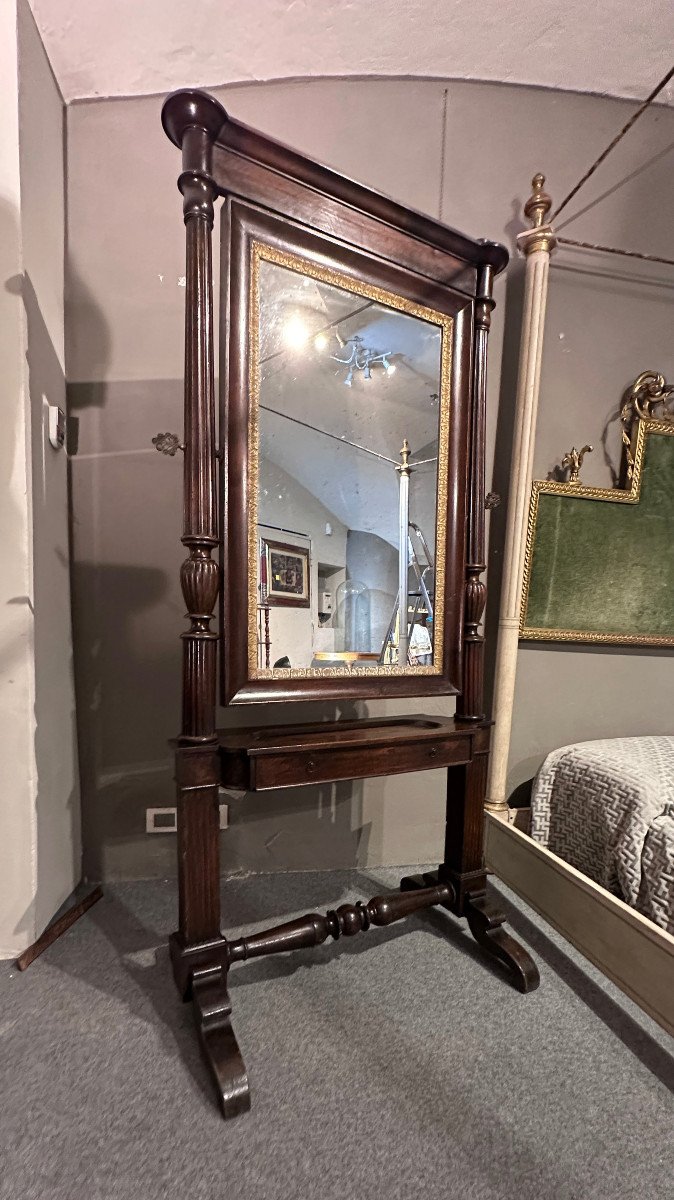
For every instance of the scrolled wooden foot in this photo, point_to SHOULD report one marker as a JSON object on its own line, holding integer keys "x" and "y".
{"x": 485, "y": 922}
{"x": 212, "y": 1012}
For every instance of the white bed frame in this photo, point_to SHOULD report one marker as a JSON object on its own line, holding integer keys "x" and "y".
{"x": 633, "y": 952}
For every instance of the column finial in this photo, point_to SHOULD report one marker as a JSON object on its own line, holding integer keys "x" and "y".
{"x": 539, "y": 203}
{"x": 405, "y": 452}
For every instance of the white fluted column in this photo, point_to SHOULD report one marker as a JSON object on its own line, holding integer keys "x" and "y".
{"x": 404, "y": 471}
{"x": 537, "y": 245}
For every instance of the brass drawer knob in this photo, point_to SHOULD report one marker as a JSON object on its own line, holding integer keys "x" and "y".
{"x": 433, "y": 752}
{"x": 311, "y": 766}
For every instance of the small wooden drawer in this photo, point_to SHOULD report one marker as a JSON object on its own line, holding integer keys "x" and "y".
{"x": 295, "y": 756}
{"x": 322, "y": 766}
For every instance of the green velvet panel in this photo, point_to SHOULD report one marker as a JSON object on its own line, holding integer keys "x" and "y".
{"x": 605, "y": 568}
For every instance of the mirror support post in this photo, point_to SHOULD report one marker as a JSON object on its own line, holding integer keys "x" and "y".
{"x": 470, "y": 704}
{"x": 199, "y": 952}
{"x": 193, "y": 120}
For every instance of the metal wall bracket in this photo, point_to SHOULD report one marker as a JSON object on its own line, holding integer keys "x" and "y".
{"x": 168, "y": 443}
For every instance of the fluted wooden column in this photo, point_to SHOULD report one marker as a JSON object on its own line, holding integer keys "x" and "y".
{"x": 470, "y": 704}
{"x": 537, "y": 244}
{"x": 193, "y": 120}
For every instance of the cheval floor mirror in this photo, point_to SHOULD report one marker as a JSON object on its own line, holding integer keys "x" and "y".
{"x": 345, "y": 500}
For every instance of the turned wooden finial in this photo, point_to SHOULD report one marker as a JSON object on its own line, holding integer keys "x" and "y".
{"x": 190, "y": 108}
{"x": 539, "y": 203}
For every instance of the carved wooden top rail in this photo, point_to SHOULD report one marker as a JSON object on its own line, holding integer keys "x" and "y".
{"x": 194, "y": 109}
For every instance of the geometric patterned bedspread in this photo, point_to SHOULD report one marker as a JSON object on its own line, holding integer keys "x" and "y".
{"x": 607, "y": 808}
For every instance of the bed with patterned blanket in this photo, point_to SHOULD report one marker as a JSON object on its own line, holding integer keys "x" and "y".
{"x": 607, "y": 809}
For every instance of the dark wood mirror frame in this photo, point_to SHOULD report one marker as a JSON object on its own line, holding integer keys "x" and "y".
{"x": 246, "y": 227}
{"x": 274, "y": 193}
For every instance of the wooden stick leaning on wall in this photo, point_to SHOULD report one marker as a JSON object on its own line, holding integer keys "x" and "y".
{"x": 537, "y": 244}
{"x": 58, "y": 927}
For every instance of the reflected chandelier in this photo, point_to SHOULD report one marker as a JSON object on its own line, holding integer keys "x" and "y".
{"x": 362, "y": 358}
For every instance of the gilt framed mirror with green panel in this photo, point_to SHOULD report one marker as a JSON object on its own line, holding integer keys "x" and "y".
{"x": 599, "y": 563}
{"x": 346, "y": 417}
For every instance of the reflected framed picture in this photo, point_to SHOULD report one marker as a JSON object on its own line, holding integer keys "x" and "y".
{"x": 285, "y": 574}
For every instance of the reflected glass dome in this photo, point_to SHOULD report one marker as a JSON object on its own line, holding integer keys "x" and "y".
{"x": 352, "y": 617}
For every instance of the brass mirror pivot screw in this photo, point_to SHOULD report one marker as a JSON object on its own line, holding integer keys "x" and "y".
{"x": 168, "y": 443}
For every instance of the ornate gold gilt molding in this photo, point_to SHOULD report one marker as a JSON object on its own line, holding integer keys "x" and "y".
{"x": 649, "y": 390}
{"x": 638, "y": 423}
{"x": 259, "y": 253}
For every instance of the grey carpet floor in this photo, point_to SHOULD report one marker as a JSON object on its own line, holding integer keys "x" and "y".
{"x": 396, "y": 1064}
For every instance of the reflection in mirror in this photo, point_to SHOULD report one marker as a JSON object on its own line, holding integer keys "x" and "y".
{"x": 348, "y": 382}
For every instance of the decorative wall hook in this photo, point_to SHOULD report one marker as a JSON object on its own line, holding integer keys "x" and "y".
{"x": 573, "y": 459}
{"x": 167, "y": 443}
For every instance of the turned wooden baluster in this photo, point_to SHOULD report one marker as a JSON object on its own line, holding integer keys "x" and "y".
{"x": 193, "y": 121}
{"x": 470, "y": 704}
{"x": 348, "y": 919}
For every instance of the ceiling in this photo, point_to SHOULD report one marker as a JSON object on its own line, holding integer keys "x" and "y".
{"x": 138, "y": 47}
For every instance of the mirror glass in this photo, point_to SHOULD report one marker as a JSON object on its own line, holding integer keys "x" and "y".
{"x": 349, "y": 415}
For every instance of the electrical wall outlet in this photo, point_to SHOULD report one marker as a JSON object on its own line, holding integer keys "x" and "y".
{"x": 161, "y": 820}
{"x": 165, "y": 820}
{"x": 56, "y": 426}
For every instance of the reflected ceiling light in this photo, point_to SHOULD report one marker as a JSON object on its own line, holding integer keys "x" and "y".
{"x": 295, "y": 333}
{"x": 321, "y": 341}
{"x": 362, "y": 358}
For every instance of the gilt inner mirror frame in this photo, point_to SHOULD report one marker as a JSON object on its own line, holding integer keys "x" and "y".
{"x": 343, "y": 412}
{"x": 333, "y": 360}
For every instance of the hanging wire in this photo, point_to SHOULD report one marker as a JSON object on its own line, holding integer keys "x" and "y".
{"x": 343, "y": 441}
{"x": 654, "y": 258}
{"x": 635, "y": 117}
{"x": 443, "y": 153}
